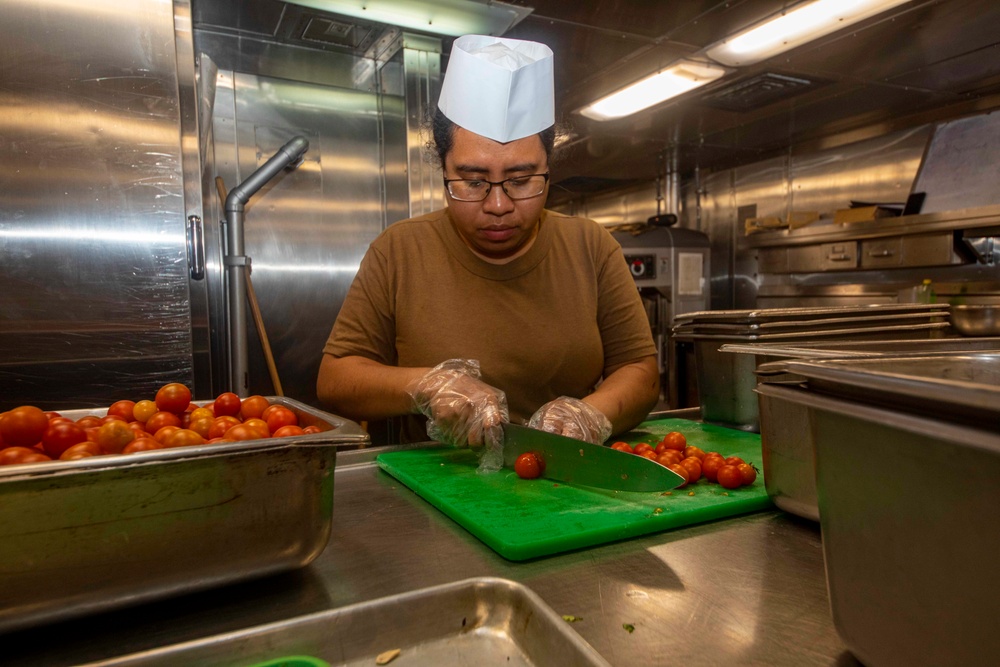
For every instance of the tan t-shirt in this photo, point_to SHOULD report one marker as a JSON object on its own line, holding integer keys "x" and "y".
{"x": 544, "y": 325}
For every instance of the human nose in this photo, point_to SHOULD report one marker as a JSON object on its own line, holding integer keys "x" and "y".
{"x": 497, "y": 201}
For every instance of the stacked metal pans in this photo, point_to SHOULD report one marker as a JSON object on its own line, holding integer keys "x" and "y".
{"x": 726, "y": 382}
{"x": 907, "y": 454}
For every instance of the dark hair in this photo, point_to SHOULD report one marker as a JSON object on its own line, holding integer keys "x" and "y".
{"x": 443, "y": 137}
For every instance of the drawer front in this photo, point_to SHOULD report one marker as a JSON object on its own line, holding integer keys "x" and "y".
{"x": 879, "y": 253}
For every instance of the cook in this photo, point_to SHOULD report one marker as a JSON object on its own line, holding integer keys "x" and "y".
{"x": 493, "y": 309}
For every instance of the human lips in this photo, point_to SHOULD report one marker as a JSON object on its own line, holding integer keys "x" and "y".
{"x": 498, "y": 234}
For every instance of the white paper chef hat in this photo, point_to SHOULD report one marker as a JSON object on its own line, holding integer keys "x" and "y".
{"x": 499, "y": 88}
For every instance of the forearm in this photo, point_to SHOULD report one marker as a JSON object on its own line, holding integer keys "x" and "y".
{"x": 628, "y": 394}
{"x": 365, "y": 390}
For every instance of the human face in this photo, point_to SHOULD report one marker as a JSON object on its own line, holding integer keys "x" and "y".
{"x": 498, "y": 227}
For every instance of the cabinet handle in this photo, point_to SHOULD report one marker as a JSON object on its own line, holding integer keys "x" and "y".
{"x": 842, "y": 257}
{"x": 885, "y": 252}
{"x": 196, "y": 247}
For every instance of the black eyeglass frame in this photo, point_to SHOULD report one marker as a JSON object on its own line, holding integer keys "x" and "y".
{"x": 502, "y": 184}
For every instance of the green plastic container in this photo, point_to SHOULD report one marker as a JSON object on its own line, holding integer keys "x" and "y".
{"x": 293, "y": 661}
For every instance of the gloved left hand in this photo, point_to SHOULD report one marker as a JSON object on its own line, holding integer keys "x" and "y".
{"x": 572, "y": 418}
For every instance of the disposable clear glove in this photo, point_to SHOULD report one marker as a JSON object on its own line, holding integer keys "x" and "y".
{"x": 574, "y": 419}
{"x": 462, "y": 410}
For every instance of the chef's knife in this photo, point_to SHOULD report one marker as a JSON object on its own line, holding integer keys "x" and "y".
{"x": 578, "y": 462}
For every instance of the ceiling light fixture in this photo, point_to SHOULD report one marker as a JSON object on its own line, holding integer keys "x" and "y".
{"x": 677, "y": 79}
{"x": 441, "y": 17}
{"x": 794, "y": 27}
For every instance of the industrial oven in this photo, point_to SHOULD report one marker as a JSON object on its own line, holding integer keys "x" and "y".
{"x": 670, "y": 266}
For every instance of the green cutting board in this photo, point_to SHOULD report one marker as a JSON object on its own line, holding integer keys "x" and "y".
{"x": 522, "y": 519}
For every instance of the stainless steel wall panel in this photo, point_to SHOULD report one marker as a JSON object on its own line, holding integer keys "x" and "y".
{"x": 422, "y": 79}
{"x": 307, "y": 230}
{"x": 95, "y": 299}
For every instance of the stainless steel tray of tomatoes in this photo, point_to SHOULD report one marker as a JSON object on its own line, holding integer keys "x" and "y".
{"x": 111, "y": 524}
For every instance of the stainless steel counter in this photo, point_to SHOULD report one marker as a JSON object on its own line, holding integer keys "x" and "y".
{"x": 748, "y": 590}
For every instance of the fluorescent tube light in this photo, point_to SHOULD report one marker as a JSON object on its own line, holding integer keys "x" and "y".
{"x": 671, "y": 82}
{"x": 802, "y": 24}
{"x": 441, "y": 17}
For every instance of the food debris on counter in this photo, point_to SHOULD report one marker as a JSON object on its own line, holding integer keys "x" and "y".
{"x": 386, "y": 657}
{"x": 569, "y": 618}
{"x": 629, "y": 628}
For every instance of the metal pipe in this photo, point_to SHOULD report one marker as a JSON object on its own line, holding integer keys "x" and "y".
{"x": 288, "y": 156}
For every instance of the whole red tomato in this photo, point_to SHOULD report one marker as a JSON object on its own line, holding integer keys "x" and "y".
{"x": 60, "y": 436}
{"x": 286, "y": 431}
{"x": 81, "y": 451}
{"x": 141, "y": 445}
{"x": 173, "y": 397}
{"x": 23, "y": 426}
{"x": 14, "y": 455}
{"x": 642, "y": 447}
{"x": 682, "y": 471}
{"x": 123, "y": 409}
{"x": 730, "y": 477}
{"x": 528, "y": 466}
{"x": 693, "y": 466}
{"x": 227, "y": 404}
{"x": 254, "y": 406}
{"x": 280, "y": 416}
{"x": 710, "y": 466}
{"x": 623, "y": 447}
{"x": 674, "y": 440}
{"x": 161, "y": 419}
{"x": 748, "y": 473}
{"x": 220, "y": 425}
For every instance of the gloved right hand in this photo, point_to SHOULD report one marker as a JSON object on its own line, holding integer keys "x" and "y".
{"x": 462, "y": 409}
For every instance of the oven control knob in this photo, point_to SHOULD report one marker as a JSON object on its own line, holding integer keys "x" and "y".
{"x": 638, "y": 268}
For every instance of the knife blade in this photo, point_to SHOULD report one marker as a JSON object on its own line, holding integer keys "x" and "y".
{"x": 578, "y": 462}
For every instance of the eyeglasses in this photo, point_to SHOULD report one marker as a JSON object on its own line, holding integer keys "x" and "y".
{"x": 518, "y": 187}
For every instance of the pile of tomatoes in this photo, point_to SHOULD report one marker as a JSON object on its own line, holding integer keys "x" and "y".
{"x": 30, "y": 435}
{"x": 692, "y": 463}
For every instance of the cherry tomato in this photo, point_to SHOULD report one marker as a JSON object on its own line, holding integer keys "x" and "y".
{"x": 202, "y": 426}
{"x": 693, "y": 465}
{"x": 124, "y": 409}
{"x": 674, "y": 440}
{"x": 623, "y": 447}
{"x": 748, "y": 473}
{"x": 696, "y": 452}
{"x": 89, "y": 421}
{"x": 60, "y": 436}
{"x": 254, "y": 406}
{"x": 183, "y": 437}
{"x": 730, "y": 477}
{"x": 141, "y": 445}
{"x": 268, "y": 410}
{"x": 23, "y": 426}
{"x": 242, "y": 432}
{"x": 227, "y": 403}
{"x": 143, "y": 410}
{"x": 287, "y": 431}
{"x": 113, "y": 436}
{"x": 161, "y": 419}
{"x": 682, "y": 471}
{"x": 281, "y": 416}
{"x": 81, "y": 451}
{"x": 668, "y": 457}
{"x": 10, "y": 456}
{"x": 164, "y": 432}
{"x": 220, "y": 425}
{"x": 710, "y": 467}
{"x": 311, "y": 429}
{"x": 261, "y": 426}
{"x": 734, "y": 461}
{"x": 642, "y": 447}
{"x": 528, "y": 466}
{"x": 173, "y": 397}
{"x": 202, "y": 413}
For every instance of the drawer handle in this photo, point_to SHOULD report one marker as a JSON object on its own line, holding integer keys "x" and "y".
{"x": 885, "y": 252}
{"x": 842, "y": 257}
